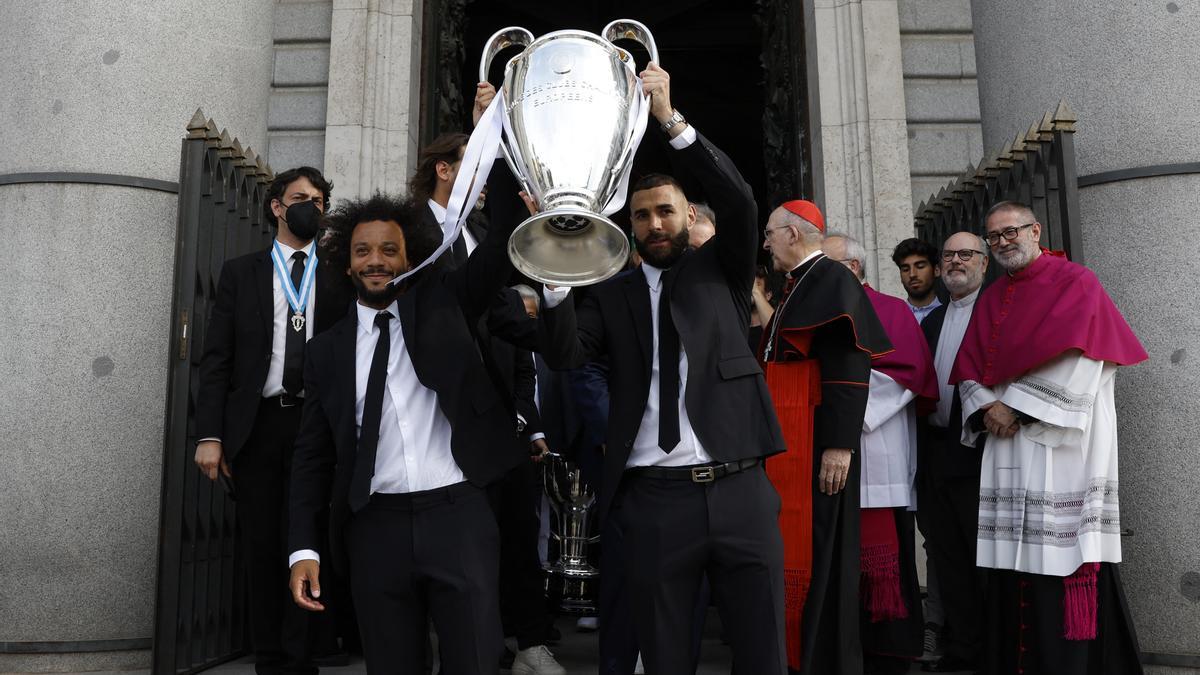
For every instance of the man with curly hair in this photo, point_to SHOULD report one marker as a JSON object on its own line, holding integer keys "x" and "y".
{"x": 403, "y": 428}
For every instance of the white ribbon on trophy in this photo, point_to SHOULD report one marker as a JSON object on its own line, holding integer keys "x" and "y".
{"x": 473, "y": 172}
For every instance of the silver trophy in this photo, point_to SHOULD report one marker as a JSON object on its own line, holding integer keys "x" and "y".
{"x": 569, "y": 120}
{"x": 572, "y": 580}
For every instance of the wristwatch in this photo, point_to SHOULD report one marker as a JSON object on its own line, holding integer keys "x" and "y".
{"x": 676, "y": 118}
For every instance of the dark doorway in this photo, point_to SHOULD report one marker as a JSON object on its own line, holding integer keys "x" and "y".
{"x": 737, "y": 74}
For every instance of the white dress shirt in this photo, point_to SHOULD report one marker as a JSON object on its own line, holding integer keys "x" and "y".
{"x": 439, "y": 212}
{"x": 282, "y": 324}
{"x": 414, "y": 436}
{"x": 645, "y": 450}
{"x": 954, "y": 327}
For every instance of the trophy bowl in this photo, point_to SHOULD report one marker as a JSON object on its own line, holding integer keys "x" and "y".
{"x": 571, "y": 127}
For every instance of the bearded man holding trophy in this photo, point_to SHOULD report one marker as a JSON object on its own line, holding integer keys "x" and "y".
{"x": 690, "y": 420}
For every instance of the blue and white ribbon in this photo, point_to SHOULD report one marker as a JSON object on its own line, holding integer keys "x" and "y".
{"x": 297, "y": 298}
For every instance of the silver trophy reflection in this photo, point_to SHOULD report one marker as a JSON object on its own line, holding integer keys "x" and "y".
{"x": 572, "y": 580}
{"x": 570, "y": 119}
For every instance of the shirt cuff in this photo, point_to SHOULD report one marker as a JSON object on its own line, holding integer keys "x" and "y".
{"x": 684, "y": 139}
{"x": 536, "y": 436}
{"x": 303, "y": 554}
{"x": 210, "y": 438}
{"x": 553, "y": 298}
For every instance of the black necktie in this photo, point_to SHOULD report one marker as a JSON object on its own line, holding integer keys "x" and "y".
{"x": 293, "y": 346}
{"x": 668, "y": 373}
{"x": 368, "y": 435}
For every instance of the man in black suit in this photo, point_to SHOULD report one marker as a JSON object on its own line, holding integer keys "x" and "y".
{"x": 268, "y": 305}
{"x": 948, "y": 481}
{"x": 691, "y": 419}
{"x": 403, "y": 428}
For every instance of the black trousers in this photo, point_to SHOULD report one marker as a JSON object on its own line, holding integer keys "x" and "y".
{"x": 283, "y": 633}
{"x": 516, "y": 502}
{"x": 427, "y": 554}
{"x": 949, "y": 511}
{"x": 675, "y": 532}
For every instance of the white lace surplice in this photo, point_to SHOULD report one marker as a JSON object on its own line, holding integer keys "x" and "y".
{"x": 1048, "y": 496}
{"x": 889, "y": 445}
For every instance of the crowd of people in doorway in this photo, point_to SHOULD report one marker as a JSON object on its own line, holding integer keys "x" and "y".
{"x": 768, "y": 441}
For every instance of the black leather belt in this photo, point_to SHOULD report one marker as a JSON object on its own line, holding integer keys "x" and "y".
{"x": 703, "y": 473}
{"x": 284, "y": 400}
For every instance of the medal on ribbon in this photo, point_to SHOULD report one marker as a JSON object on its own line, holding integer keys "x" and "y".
{"x": 297, "y": 298}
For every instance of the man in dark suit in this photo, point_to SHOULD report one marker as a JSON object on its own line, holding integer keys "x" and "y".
{"x": 690, "y": 418}
{"x": 948, "y": 480}
{"x": 402, "y": 431}
{"x": 268, "y": 305}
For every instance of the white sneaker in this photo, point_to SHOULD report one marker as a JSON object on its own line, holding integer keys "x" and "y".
{"x": 587, "y": 624}
{"x": 536, "y": 661}
{"x": 639, "y": 669}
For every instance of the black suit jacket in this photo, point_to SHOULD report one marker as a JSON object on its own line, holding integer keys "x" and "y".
{"x": 726, "y": 397}
{"x": 436, "y": 316}
{"x": 944, "y": 455}
{"x": 237, "y": 345}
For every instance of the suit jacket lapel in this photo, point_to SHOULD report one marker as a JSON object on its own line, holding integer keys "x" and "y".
{"x": 637, "y": 294}
{"x": 407, "y": 304}
{"x": 264, "y": 271}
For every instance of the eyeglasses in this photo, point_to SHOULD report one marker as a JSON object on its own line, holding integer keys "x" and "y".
{"x": 963, "y": 254}
{"x": 1009, "y": 234}
{"x": 767, "y": 232}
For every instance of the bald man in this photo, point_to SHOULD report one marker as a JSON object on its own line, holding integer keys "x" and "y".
{"x": 948, "y": 480}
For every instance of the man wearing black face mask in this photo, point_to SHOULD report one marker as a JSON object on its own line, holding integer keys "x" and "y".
{"x": 268, "y": 305}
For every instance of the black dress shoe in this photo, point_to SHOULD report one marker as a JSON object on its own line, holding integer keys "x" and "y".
{"x": 948, "y": 664}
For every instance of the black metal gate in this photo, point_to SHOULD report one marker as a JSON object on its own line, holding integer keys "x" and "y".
{"x": 201, "y": 612}
{"x": 1037, "y": 168}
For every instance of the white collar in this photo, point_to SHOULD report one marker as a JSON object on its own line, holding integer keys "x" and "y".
{"x": 653, "y": 275}
{"x": 288, "y": 251}
{"x": 366, "y": 315}
{"x": 966, "y": 300}
{"x": 810, "y": 256}
{"x": 439, "y": 212}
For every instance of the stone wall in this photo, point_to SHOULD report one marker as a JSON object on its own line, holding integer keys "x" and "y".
{"x": 98, "y": 88}
{"x": 940, "y": 93}
{"x": 299, "y": 84}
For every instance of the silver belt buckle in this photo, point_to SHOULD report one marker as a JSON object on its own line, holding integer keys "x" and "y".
{"x": 283, "y": 402}
{"x": 703, "y": 474}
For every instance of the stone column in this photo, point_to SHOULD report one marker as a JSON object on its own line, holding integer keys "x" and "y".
{"x": 863, "y": 128}
{"x": 374, "y": 95}
{"x": 106, "y": 89}
{"x": 1129, "y": 73}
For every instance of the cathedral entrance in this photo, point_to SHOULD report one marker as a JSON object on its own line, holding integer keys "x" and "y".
{"x": 738, "y": 73}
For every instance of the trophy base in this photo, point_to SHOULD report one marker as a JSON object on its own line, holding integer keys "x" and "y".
{"x": 573, "y": 595}
{"x": 568, "y": 247}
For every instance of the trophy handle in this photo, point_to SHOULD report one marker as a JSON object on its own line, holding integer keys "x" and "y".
{"x": 628, "y": 29}
{"x": 499, "y": 41}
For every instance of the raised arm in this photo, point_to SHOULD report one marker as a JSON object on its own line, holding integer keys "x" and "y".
{"x": 724, "y": 187}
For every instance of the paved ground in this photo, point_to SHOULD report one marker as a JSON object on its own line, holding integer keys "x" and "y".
{"x": 576, "y": 652}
